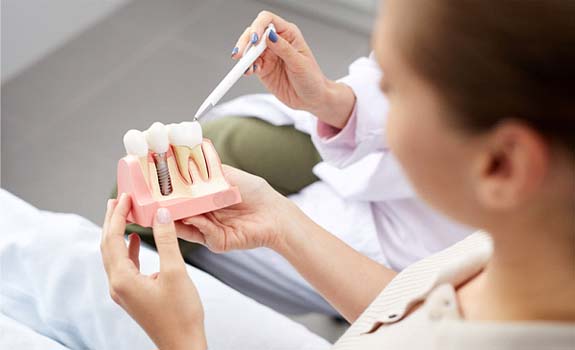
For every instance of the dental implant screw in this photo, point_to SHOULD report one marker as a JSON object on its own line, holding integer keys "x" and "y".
{"x": 163, "y": 173}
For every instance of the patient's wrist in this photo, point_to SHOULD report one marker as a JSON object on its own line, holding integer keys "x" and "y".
{"x": 282, "y": 223}
{"x": 293, "y": 225}
{"x": 195, "y": 340}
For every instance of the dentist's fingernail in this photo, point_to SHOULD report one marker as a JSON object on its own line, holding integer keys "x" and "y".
{"x": 273, "y": 36}
{"x": 235, "y": 50}
{"x": 254, "y": 38}
{"x": 163, "y": 216}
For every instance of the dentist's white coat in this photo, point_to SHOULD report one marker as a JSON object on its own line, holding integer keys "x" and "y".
{"x": 363, "y": 197}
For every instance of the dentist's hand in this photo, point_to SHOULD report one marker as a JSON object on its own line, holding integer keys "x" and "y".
{"x": 289, "y": 70}
{"x": 260, "y": 220}
{"x": 166, "y": 304}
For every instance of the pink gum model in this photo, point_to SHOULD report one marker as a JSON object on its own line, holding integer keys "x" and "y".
{"x": 131, "y": 180}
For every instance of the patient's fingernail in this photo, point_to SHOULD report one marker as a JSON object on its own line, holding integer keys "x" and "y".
{"x": 163, "y": 216}
{"x": 273, "y": 36}
{"x": 254, "y": 38}
{"x": 235, "y": 50}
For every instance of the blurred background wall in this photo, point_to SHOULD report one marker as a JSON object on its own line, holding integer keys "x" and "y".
{"x": 32, "y": 28}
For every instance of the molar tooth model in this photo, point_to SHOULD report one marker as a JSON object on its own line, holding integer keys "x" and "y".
{"x": 175, "y": 168}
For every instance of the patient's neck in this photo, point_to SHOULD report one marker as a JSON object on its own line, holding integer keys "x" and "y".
{"x": 531, "y": 275}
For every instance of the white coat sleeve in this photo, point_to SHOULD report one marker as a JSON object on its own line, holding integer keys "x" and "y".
{"x": 364, "y": 132}
{"x": 368, "y": 170}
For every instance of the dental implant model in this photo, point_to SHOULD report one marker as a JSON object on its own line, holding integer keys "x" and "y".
{"x": 186, "y": 138}
{"x": 137, "y": 146}
{"x": 175, "y": 168}
{"x": 157, "y": 137}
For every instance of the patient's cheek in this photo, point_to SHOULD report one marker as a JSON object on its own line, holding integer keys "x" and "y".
{"x": 390, "y": 132}
{"x": 410, "y": 142}
{"x": 396, "y": 135}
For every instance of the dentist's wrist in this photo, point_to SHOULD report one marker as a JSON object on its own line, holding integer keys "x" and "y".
{"x": 336, "y": 106}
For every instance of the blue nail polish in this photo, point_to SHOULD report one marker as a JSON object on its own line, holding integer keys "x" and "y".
{"x": 254, "y": 38}
{"x": 235, "y": 50}
{"x": 273, "y": 36}
{"x": 255, "y": 66}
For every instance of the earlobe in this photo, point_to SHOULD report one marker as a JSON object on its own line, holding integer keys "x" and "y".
{"x": 493, "y": 180}
{"x": 513, "y": 166}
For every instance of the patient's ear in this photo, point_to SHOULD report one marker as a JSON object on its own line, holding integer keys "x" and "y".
{"x": 511, "y": 167}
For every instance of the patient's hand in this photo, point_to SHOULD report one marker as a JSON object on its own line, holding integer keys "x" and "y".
{"x": 258, "y": 221}
{"x": 166, "y": 304}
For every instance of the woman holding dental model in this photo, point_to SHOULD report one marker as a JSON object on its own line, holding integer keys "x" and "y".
{"x": 481, "y": 116}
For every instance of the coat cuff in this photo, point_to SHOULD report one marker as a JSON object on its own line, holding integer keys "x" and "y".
{"x": 330, "y": 135}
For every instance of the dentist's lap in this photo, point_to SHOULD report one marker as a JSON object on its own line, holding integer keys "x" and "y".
{"x": 53, "y": 285}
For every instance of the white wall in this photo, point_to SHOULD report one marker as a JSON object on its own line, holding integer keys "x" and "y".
{"x": 357, "y": 15}
{"x": 33, "y": 28}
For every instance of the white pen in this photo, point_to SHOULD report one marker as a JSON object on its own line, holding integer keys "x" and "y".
{"x": 250, "y": 56}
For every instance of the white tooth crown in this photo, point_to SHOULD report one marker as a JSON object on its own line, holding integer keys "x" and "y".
{"x": 177, "y": 135}
{"x": 186, "y": 134}
{"x": 186, "y": 138}
{"x": 193, "y": 133}
{"x": 191, "y": 158}
{"x": 157, "y": 136}
{"x": 135, "y": 143}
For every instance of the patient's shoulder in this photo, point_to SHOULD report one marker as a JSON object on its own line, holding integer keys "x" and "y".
{"x": 453, "y": 265}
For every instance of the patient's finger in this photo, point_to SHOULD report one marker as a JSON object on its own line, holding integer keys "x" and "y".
{"x": 213, "y": 235}
{"x": 111, "y": 205}
{"x": 109, "y": 210}
{"x": 119, "y": 216}
{"x": 235, "y": 176}
{"x": 114, "y": 240}
{"x": 167, "y": 242}
{"x": 189, "y": 233}
{"x": 105, "y": 225}
{"x": 134, "y": 249}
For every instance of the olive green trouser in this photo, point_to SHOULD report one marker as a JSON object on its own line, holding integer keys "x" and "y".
{"x": 282, "y": 155}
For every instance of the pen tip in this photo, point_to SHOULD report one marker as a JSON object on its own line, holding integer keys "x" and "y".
{"x": 203, "y": 110}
